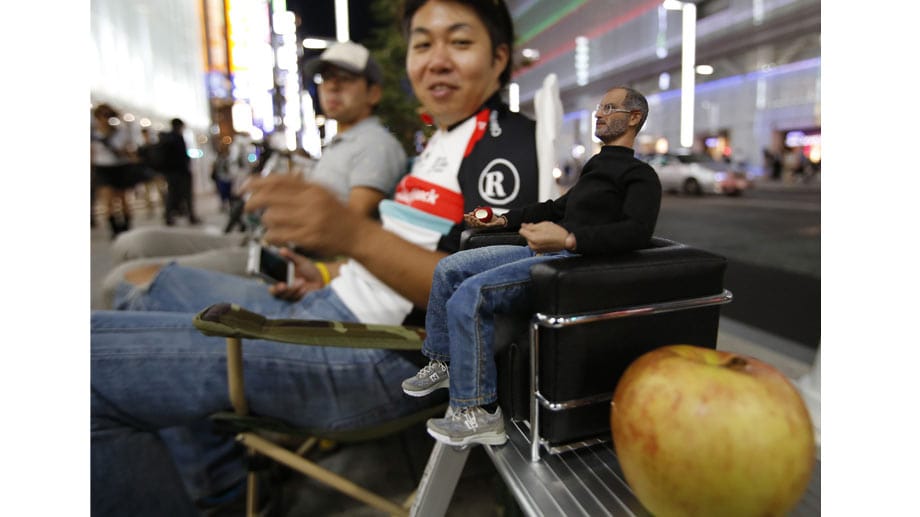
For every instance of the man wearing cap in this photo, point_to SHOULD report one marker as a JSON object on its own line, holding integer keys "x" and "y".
{"x": 361, "y": 165}
{"x": 362, "y": 149}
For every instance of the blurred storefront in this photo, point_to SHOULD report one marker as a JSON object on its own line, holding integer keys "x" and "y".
{"x": 223, "y": 66}
{"x": 228, "y": 66}
{"x": 758, "y": 70}
{"x": 146, "y": 62}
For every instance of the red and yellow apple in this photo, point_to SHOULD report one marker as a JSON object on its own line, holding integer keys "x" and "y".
{"x": 704, "y": 432}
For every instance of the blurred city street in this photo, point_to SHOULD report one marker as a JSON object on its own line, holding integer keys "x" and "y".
{"x": 771, "y": 236}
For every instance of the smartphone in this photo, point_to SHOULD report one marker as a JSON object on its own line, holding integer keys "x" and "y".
{"x": 267, "y": 263}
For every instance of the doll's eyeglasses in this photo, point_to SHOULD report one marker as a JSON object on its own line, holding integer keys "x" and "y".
{"x": 607, "y": 109}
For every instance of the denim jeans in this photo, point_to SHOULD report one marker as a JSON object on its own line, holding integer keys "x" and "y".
{"x": 231, "y": 260}
{"x": 468, "y": 289}
{"x": 178, "y": 288}
{"x": 152, "y": 371}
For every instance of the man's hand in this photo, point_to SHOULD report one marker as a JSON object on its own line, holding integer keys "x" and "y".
{"x": 544, "y": 237}
{"x": 306, "y": 278}
{"x": 304, "y": 214}
{"x": 307, "y": 215}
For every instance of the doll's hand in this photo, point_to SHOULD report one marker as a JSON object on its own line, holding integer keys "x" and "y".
{"x": 482, "y": 217}
{"x": 544, "y": 237}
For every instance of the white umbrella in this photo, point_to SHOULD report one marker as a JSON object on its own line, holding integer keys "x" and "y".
{"x": 548, "y": 108}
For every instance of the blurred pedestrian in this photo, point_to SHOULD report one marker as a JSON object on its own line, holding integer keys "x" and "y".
{"x": 239, "y": 153}
{"x": 152, "y": 180}
{"x": 773, "y": 162}
{"x": 111, "y": 156}
{"x": 220, "y": 174}
{"x": 179, "y": 198}
{"x": 793, "y": 165}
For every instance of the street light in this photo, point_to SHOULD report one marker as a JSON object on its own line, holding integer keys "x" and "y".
{"x": 687, "y": 67}
{"x": 341, "y": 20}
{"x": 316, "y": 43}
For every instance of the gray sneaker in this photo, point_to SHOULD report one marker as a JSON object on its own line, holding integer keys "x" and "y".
{"x": 469, "y": 425}
{"x": 435, "y": 375}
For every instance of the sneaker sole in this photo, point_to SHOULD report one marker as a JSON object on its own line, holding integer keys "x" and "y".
{"x": 445, "y": 383}
{"x": 493, "y": 438}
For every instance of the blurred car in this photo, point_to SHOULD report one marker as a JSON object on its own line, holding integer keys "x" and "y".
{"x": 698, "y": 174}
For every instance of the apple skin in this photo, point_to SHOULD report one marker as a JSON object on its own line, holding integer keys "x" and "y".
{"x": 483, "y": 213}
{"x": 704, "y": 432}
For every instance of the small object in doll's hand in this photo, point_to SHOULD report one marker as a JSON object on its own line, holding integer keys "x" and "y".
{"x": 483, "y": 213}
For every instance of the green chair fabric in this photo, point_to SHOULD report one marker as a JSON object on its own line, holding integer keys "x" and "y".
{"x": 231, "y": 320}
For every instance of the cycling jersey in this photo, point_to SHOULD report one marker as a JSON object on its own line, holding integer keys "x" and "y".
{"x": 489, "y": 159}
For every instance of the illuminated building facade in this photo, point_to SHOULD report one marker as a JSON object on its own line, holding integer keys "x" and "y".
{"x": 758, "y": 73}
{"x": 223, "y": 66}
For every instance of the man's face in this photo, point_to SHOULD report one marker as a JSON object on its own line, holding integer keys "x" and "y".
{"x": 609, "y": 128}
{"x": 450, "y": 61}
{"x": 346, "y": 97}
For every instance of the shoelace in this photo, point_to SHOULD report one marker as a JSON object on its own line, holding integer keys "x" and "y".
{"x": 426, "y": 371}
{"x": 469, "y": 418}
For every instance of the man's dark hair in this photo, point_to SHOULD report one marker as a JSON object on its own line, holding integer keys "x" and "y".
{"x": 105, "y": 111}
{"x": 634, "y": 101}
{"x": 177, "y": 124}
{"x": 493, "y": 14}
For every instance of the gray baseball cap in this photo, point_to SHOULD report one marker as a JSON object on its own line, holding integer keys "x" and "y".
{"x": 349, "y": 56}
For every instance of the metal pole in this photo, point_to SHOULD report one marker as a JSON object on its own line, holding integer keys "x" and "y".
{"x": 534, "y": 386}
{"x": 235, "y": 376}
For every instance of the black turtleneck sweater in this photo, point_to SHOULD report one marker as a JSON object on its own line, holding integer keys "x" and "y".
{"x": 611, "y": 209}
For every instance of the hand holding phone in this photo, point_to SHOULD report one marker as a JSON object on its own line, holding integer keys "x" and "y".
{"x": 267, "y": 263}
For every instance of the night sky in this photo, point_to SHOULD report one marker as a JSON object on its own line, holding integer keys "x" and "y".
{"x": 317, "y": 18}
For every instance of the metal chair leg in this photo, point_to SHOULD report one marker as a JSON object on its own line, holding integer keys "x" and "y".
{"x": 252, "y": 489}
{"x": 286, "y": 457}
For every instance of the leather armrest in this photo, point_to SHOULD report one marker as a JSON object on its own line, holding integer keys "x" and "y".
{"x": 666, "y": 271}
{"x": 479, "y": 237}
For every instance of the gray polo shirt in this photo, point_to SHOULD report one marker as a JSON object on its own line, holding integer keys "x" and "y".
{"x": 366, "y": 155}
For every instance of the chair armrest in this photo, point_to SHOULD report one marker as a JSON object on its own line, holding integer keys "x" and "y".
{"x": 231, "y": 320}
{"x": 665, "y": 271}
{"x": 664, "y": 294}
{"x": 479, "y": 237}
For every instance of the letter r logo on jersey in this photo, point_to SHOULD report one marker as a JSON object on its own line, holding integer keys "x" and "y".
{"x": 493, "y": 184}
{"x": 499, "y": 182}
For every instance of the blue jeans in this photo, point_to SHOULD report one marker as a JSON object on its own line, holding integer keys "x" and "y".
{"x": 187, "y": 289}
{"x": 152, "y": 371}
{"x": 468, "y": 289}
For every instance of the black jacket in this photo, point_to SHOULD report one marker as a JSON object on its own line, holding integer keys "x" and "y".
{"x": 174, "y": 153}
{"x": 612, "y": 208}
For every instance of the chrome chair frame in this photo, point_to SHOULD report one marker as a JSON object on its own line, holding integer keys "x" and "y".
{"x": 540, "y": 320}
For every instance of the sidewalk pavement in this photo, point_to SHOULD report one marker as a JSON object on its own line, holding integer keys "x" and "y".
{"x": 475, "y": 494}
